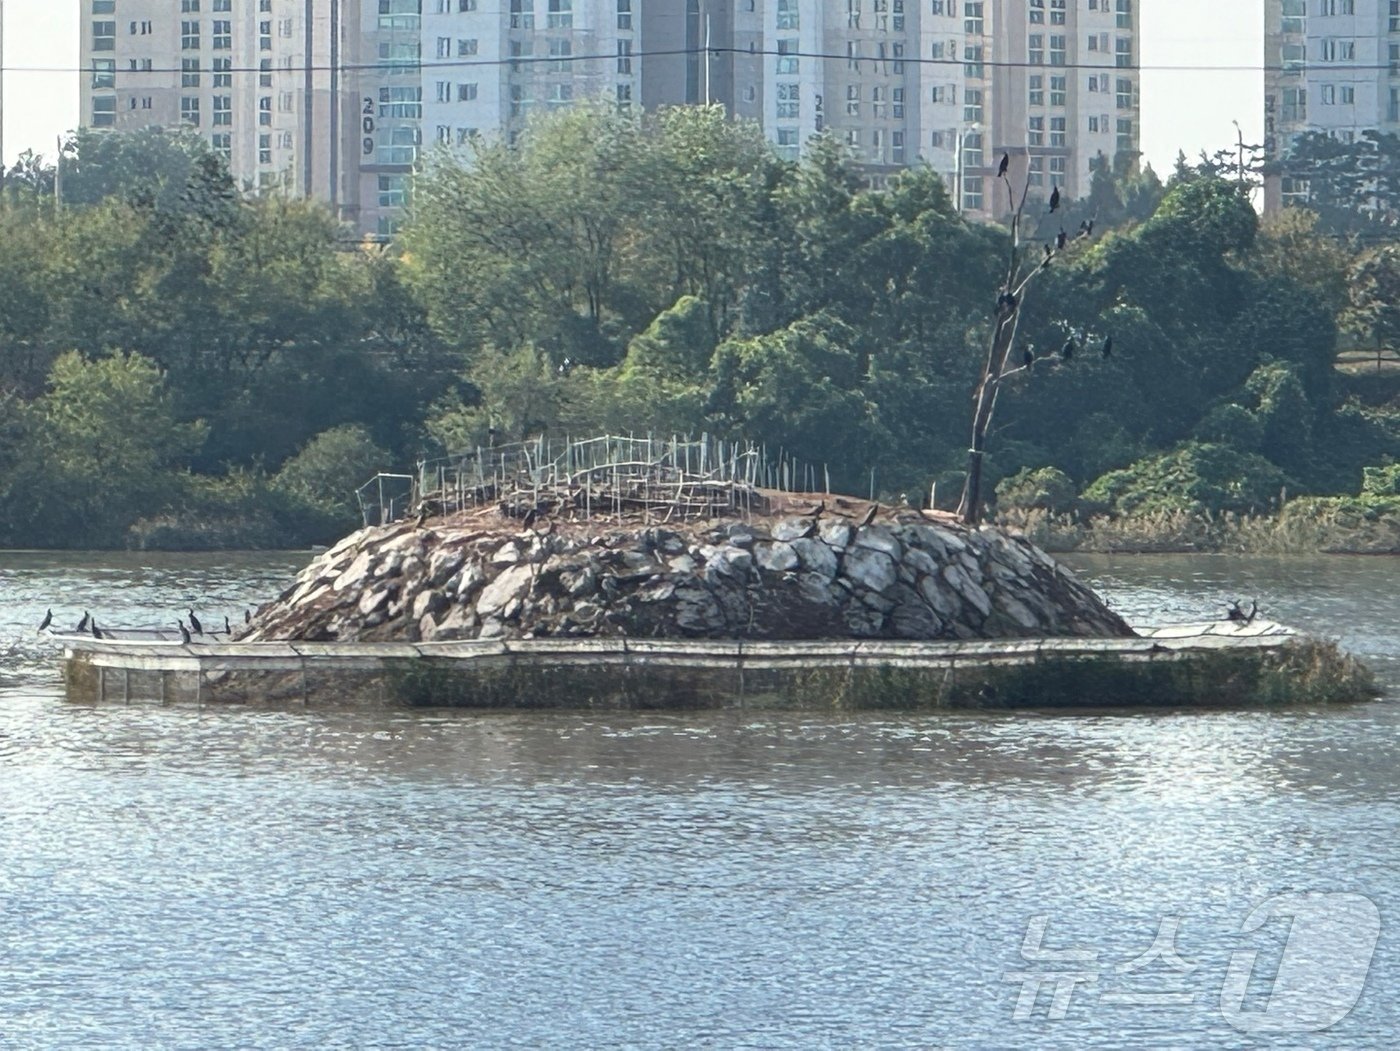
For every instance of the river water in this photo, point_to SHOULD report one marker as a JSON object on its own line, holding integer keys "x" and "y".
{"x": 192, "y": 879}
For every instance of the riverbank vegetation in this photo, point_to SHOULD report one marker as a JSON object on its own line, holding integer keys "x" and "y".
{"x": 185, "y": 366}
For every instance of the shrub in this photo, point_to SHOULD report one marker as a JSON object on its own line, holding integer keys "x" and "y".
{"x": 1194, "y": 477}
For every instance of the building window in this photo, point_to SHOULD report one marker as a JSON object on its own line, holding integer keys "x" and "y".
{"x": 222, "y": 142}
{"x": 787, "y": 56}
{"x": 972, "y": 106}
{"x": 104, "y": 111}
{"x": 1058, "y": 87}
{"x": 1057, "y": 132}
{"x": 223, "y": 36}
{"x": 1035, "y": 131}
{"x": 561, "y": 94}
{"x": 1125, "y": 93}
{"x": 466, "y": 48}
{"x": 624, "y": 56}
{"x": 398, "y": 146}
{"x": 1295, "y": 104}
{"x": 1037, "y": 171}
{"x": 393, "y": 191}
{"x": 1125, "y": 14}
{"x": 522, "y": 14}
{"x": 972, "y": 149}
{"x": 897, "y": 147}
{"x": 1057, "y": 12}
{"x": 561, "y": 14}
{"x": 104, "y": 73}
{"x": 223, "y": 72}
{"x": 788, "y": 102}
{"x": 560, "y": 49}
{"x": 265, "y": 35}
{"x": 223, "y": 110}
{"x": 264, "y": 149}
{"x": 1035, "y": 14}
{"x": 1126, "y": 139}
{"x": 1035, "y": 49}
{"x": 787, "y": 143}
{"x": 972, "y": 61}
{"x": 1057, "y": 49}
{"x": 189, "y": 36}
{"x": 265, "y": 73}
{"x": 1123, "y": 53}
{"x": 972, "y": 17}
{"x": 787, "y": 14}
{"x": 624, "y": 16}
{"x": 189, "y": 110}
{"x": 189, "y": 7}
{"x": 466, "y": 92}
{"x": 972, "y": 192}
{"x": 897, "y": 101}
{"x": 104, "y": 36}
{"x": 853, "y": 100}
{"x": 1036, "y": 90}
{"x": 624, "y": 96}
{"x": 403, "y": 103}
{"x": 935, "y": 140}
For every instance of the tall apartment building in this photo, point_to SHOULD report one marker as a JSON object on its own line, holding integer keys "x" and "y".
{"x": 955, "y": 84}
{"x": 336, "y": 98}
{"x": 1331, "y": 66}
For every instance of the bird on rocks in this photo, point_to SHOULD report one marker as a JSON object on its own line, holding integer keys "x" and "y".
{"x": 83, "y": 624}
{"x": 1055, "y": 199}
{"x": 870, "y": 515}
{"x": 1067, "y": 351}
{"x": 422, "y": 516}
{"x": 817, "y": 511}
{"x": 48, "y": 619}
{"x": 195, "y": 625}
{"x": 1005, "y": 164}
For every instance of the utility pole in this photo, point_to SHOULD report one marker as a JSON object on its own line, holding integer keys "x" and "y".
{"x": 2, "y": 88}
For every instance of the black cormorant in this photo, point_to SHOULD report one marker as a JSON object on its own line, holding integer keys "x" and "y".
{"x": 1005, "y": 163}
{"x": 1061, "y": 239}
{"x": 247, "y": 616}
{"x": 184, "y": 632}
{"x": 1107, "y": 349}
{"x": 197, "y": 627}
{"x": 96, "y": 634}
{"x": 1067, "y": 351}
{"x": 1055, "y": 199}
{"x": 48, "y": 619}
{"x": 1028, "y": 357}
{"x": 228, "y": 628}
{"x": 870, "y": 515}
{"x": 82, "y": 624}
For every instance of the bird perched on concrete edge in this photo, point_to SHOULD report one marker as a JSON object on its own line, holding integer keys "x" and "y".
{"x": 184, "y": 632}
{"x": 195, "y": 625}
{"x": 48, "y": 619}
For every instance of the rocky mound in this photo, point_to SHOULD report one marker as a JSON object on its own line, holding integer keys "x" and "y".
{"x": 909, "y": 576}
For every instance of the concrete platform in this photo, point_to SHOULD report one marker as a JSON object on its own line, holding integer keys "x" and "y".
{"x": 1224, "y": 662}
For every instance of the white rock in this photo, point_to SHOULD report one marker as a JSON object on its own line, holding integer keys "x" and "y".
{"x": 871, "y": 569}
{"x": 836, "y": 533}
{"x": 513, "y": 583}
{"x": 879, "y": 538}
{"x": 792, "y": 529}
{"x": 816, "y": 556}
{"x": 777, "y": 557}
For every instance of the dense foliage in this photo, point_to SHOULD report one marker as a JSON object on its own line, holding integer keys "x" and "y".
{"x": 183, "y": 365}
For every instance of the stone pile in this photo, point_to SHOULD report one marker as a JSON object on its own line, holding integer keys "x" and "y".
{"x": 803, "y": 577}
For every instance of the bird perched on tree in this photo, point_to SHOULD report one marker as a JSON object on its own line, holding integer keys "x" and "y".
{"x": 195, "y": 625}
{"x": 1027, "y": 357}
{"x": 1006, "y": 301}
{"x": 1005, "y": 163}
{"x": 48, "y": 619}
{"x": 1055, "y": 199}
{"x": 1107, "y": 349}
{"x": 83, "y": 624}
{"x": 1061, "y": 239}
{"x": 1086, "y": 228}
{"x": 491, "y": 433}
{"x": 1067, "y": 351}
{"x": 870, "y": 515}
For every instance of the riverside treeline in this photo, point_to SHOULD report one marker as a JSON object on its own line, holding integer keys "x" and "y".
{"x": 184, "y": 365}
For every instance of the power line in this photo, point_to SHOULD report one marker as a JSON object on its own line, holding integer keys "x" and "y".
{"x": 523, "y": 60}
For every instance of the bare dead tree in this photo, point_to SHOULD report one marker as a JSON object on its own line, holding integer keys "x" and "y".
{"x": 1021, "y": 269}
